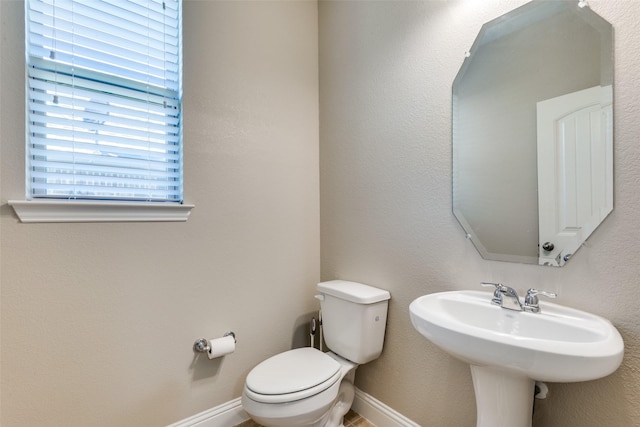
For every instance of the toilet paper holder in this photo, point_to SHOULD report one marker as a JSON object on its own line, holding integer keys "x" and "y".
{"x": 202, "y": 345}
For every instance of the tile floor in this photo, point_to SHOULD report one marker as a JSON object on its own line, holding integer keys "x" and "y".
{"x": 350, "y": 420}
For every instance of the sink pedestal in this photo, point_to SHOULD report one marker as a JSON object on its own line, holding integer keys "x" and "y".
{"x": 503, "y": 399}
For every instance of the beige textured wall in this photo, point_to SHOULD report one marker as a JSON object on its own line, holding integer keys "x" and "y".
{"x": 386, "y": 70}
{"x": 98, "y": 320}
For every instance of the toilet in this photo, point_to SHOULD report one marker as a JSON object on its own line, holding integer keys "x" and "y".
{"x": 307, "y": 387}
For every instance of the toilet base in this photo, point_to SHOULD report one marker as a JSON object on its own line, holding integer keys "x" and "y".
{"x": 330, "y": 414}
{"x": 341, "y": 405}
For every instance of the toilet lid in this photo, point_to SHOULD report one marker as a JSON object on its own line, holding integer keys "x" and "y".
{"x": 293, "y": 371}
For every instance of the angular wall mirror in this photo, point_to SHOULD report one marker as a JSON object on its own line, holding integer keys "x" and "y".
{"x": 533, "y": 133}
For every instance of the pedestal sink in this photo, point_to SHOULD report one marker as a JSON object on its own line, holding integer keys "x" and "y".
{"x": 509, "y": 350}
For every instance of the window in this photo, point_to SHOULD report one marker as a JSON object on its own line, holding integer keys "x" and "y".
{"x": 104, "y": 100}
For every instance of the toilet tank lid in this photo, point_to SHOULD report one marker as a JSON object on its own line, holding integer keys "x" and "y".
{"x": 353, "y": 291}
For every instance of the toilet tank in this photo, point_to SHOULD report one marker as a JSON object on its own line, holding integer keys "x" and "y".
{"x": 354, "y": 319}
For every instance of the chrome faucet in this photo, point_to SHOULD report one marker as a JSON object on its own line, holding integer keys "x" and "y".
{"x": 507, "y": 297}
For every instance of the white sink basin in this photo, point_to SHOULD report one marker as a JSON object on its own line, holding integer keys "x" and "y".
{"x": 558, "y": 344}
{"x": 508, "y": 349}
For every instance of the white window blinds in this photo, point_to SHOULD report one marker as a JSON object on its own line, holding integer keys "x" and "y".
{"x": 104, "y": 99}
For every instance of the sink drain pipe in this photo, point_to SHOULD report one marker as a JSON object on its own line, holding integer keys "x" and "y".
{"x": 541, "y": 390}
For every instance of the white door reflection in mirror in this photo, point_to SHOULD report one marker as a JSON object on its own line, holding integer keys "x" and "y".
{"x": 575, "y": 170}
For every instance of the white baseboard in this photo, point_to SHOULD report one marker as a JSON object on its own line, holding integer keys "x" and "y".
{"x": 226, "y": 415}
{"x": 378, "y": 413}
{"x": 231, "y": 413}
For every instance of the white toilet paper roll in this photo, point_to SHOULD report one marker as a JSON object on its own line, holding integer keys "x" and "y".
{"x": 219, "y": 347}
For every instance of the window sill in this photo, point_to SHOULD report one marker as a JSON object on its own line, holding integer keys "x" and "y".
{"x": 98, "y": 211}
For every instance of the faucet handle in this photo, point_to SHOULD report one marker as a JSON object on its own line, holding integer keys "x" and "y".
{"x": 531, "y": 302}
{"x": 498, "y": 286}
{"x": 533, "y": 293}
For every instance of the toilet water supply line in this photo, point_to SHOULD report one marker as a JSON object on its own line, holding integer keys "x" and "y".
{"x": 316, "y": 328}
{"x": 320, "y": 336}
{"x": 320, "y": 298}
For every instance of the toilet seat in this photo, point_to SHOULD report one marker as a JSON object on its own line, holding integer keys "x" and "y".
{"x": 292, "y": 375}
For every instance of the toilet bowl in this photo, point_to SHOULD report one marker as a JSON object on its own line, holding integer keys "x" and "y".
{"x": 301, "y": 387}
{"x": 306, "y": 387}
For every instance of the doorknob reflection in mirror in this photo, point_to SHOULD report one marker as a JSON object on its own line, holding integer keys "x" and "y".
{"x": 548, "y": 246}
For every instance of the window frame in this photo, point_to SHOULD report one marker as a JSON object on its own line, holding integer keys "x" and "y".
{"x": 34, "y": 209}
